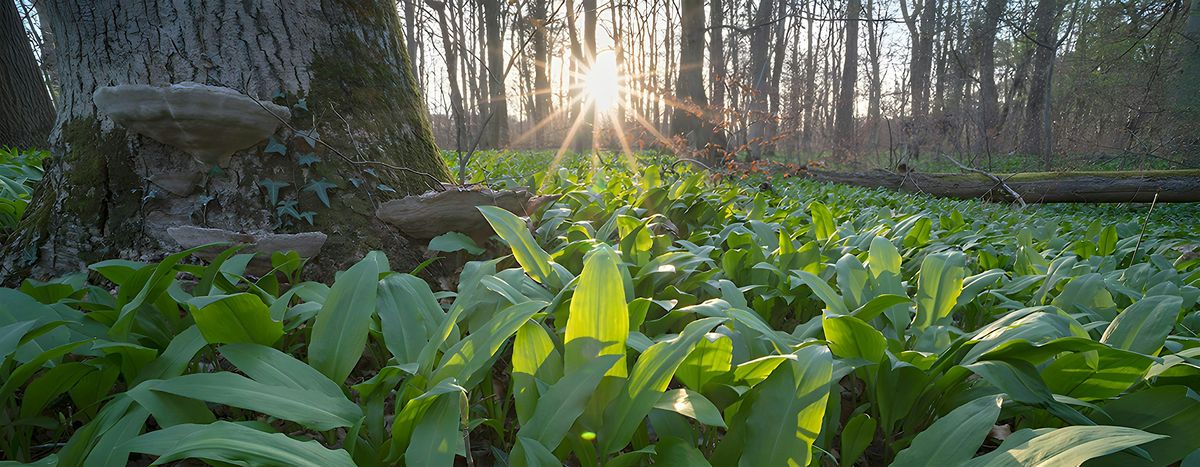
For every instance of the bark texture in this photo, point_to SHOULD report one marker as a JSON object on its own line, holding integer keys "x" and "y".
{"x": 26, "y": 112}
{"x": 989, "y": 96}
{"x": 1036, "y": 138}
{"x": 1171, "y": 186}
{"x": 112, "y": 193}
{"x": 760, "y": 74}
{"x": 688, "y": 120}
{"x": 844, "y": 125}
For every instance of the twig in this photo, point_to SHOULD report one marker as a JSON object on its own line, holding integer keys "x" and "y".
{"x": 437, "y": 185}
{"x": 1142, "y": 234}
{"x": 1016, "y": 196}
{"x": 688, "y": 159}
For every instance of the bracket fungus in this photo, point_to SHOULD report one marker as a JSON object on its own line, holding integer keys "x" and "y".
{"x": 305, "y": 244}
{"x": 208, "y": 122}
{"x": 434, "y": 213}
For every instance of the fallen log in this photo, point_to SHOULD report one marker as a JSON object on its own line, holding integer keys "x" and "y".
{"x": 1171, "y": 186}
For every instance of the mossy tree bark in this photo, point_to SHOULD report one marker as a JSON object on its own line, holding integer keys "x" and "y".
{"x": 26, "y": 112}
{"x": 341, "y": 65}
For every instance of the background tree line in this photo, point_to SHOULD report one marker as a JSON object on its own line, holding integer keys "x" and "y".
{"x": 881, "y": 81}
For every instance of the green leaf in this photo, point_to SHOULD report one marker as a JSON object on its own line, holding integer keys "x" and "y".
{"x": 712, "y": 357}
{"x": 233, "y": 319}
{"x": 272, "y": 367}
{"x": 598, "y": 325}
{"x": 564, "y": 402}
{"x": 781, "y": 417}
{"x": 823, "y": 291}
{"x": 649, "y": 378}
{"x": 822, "y": 221}
{"x": 232, "y": 443}
{"x": 340, "y": 332}
{"x": 321, "y": 189}
{"x": 954, "y": 438}
{"x": 313, "y": 409}
{"x": 466, "y": 359}
{"x": 1165, "y": 410}
{"x": 1108, "y": 241}
{"x": 530, "y": 453}
{"x": 534, "y": 358}
{"x": 515, "y": 233}
{"x": 1143, "y": 326}
{"x": 408, "y": 315}
{"x": 938, "y": 287}
{"x": 273, "y": 187}
{"x": 1071, "y": 445}
{"x": 691, "y": 404}
{"x": 850, "y": 337}
{"x": 856, "y": 437}
{"x": 454, "y": 241}
{"x": 436, "y": 437}
{"x": 675, "y": 452}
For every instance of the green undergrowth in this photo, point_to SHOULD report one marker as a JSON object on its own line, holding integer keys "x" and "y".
{"x": 647, "y": 316}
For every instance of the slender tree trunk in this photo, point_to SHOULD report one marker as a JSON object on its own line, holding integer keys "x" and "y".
{"x": 989, "y": 96}
{"x": 875, "y": 88}
{"x": 497, "y": 126}
{"x": 410, "y": 32}
{"x": 1185, "y": 88}
{"x": 1034, "y": 134}
{"x": 760, "y": 74}
{"x": 921, "y": 27}
{"x": 110, "y": 192}
{"x": 450, "y": 51}
{"x": 541, "y": 65}
{"x": 26, "y": 112}
{"x": 688, "y": 121}
{"x": 844, "y": 127}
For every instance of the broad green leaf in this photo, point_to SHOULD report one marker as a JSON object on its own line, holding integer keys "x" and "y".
{"x": 691, "y": 404}
{"x": 339, "y": 334}
{"x": 856, "y": 437}
{"x": 1166, "y": 410}
{"x": 435, "y": 438}
{"x": 234, "y": 319}
{"x": 675, "y": 452}
{"x": 232, "y": 443}
{"x": 850, "y": 337}
{"x": 534, "y": 358}
{"x": 306, "y": 407}
{"x": 272, "y": 367}
{"x": 468, "y": 357}
{"x": 650, "y": 376}
{"x": 823, "y": 291}
{"x": 529, "y": 453}
{"x": 938, "y": 287}
{"x": 1071, "y": 445}
{"x": 1143, "y": 326}
{"x": 174, "y": 360}
{"x": 408, "y": 315}
{"x": 564, "y": 402}
{"x": 954, "y": 438}
{"x": 822, "y": 221}
{"x": 711, "y": 358}
{"x": 454, "y": 241}
{"x": 781, "y": 417}
{"x": 598, "y": 324}
{"x": 515, "y": 233}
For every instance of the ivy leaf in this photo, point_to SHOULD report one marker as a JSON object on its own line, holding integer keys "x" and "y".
{"x": 273, "y": 187}
{"x": 357, "y": 182}
{"x": 321, "y": 189}
{"x": 307, "y": 159}
{"x": 275, "y": 147}
{"x": 287, "y": 208}
{"x": 309, "y": 137}
{"x": 386, "y": 188}
{"x": 308, "y": 216}
{"x": 302, "y": 104}
{"x": 215, "y": 170}
{"x": 278, "y": 94}
{"x": 371, "y": 172}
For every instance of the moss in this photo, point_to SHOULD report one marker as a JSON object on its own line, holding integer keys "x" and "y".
{"x": 372, "y": 87}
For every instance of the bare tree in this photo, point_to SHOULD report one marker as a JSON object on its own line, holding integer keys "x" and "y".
{"x": 1036, "y": 137}
{"x": 497, "y": 119}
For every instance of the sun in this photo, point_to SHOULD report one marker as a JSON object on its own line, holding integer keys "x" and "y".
{"x": 603, "y": 82}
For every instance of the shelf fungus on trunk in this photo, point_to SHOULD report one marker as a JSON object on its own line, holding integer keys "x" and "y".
{"x": 433, "y": 213}
{"x": 210, "y": 123}
{"x": 263, "y": 244}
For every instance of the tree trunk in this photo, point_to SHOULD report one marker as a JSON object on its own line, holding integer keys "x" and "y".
{"x": 760, "y": 73}
{"x": 921, "y": 27}
{"x": 1034, "y": 134}
{"x": 1171, "y": 186}
{"x": 497, "y": 126}
{"x": 451, "y": 54}
{"x": 875, "y": 88}
{"x": 844, "y": 127}
{"x": 989, "y": 96}
{"x": 716, "y": 52}
{"x": 541, "y": 65}
{"x": 110, "y": 192}
{"x": 26, "y": 112}
{"x": 687, "y": 120}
